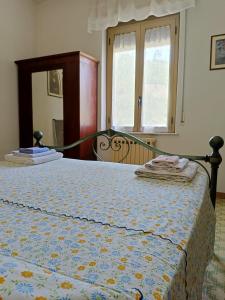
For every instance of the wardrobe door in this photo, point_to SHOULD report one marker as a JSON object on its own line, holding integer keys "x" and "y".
{"x": 88, "y": 103}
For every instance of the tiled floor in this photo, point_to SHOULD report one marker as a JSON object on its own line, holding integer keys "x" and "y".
{"x": 214, "y": 286}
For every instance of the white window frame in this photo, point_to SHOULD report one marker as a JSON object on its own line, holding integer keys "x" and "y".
{"x": 139, "y": 28}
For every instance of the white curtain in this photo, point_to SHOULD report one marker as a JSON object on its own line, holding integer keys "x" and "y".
{"x": 155, "y": 93}
{"x": 107, "y": 13}
{"x": 123, "y": 85}
{"x": 157, "y": 36}
{"x": 125, "y": 41}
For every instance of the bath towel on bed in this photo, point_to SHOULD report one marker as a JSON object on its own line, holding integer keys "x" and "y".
{"x": 33, "y": 160}
{"x": 186, "y": 175}
{"x": 33, "y": 150}
{"x": 178, "y": 167}
{"x": 17, "y": 153}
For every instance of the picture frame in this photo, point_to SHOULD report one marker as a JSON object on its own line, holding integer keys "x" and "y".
{"x": 55, "y": 83}
{"x": 217, "y": 55}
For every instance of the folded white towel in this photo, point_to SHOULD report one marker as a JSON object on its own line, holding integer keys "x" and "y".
{"x": 186, "y": 175}
{"x": 178, "y": 167}
{"x": 33, "y": 160}
{"x": 165, "y": 160}
{"x": 17, "y": 153}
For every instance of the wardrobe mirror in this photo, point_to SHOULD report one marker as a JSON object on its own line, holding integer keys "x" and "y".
{"x": 47, "y": 104}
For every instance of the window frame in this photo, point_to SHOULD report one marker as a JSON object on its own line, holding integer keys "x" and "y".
{"x": 139, "y": 28}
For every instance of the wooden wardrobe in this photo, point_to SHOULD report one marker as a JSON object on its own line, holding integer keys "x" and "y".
{"x": 79, "y": 98}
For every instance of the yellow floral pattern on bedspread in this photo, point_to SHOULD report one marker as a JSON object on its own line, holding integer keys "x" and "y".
{"x": 90, "y": 230}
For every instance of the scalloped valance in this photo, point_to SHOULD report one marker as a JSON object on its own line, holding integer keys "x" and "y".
{"x": 108, "y": 13}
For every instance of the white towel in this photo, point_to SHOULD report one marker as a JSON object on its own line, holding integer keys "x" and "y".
{"x": 17, "y": 153}
{"x": 165, "y": 160}
{"x": 34, "y": 160}
{"x": 178, "y": 167}
{"x": 186, "y": 175}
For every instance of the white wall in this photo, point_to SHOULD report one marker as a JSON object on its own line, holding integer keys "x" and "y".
{"x": 62, "y": 27}
{"x": 17, "y": 21}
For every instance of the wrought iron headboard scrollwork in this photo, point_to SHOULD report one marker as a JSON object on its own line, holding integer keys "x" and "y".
{"x": 214, "y": 158}
{"x": 112, "y": 144}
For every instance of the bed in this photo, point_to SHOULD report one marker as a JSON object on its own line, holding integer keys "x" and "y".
{"x": 74, "y": 229}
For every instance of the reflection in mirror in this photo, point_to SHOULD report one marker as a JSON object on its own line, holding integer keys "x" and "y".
{"x": 47, "y": 103}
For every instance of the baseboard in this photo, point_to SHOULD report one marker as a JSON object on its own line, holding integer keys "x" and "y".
{"x": 220, "y": 195}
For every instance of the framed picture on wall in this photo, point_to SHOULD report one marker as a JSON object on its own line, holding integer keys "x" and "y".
{"x": 217, "y": 56}
{"x": 54, "y": 83}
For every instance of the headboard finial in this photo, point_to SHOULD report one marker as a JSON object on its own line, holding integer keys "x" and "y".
{"x": 215, "y": 160}
{"x": 216, "y": 142}
{"x": 38, "y": 135}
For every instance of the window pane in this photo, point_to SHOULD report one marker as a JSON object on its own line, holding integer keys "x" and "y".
{"x": 123, "y": 85}
{"x": 156, "y": 79}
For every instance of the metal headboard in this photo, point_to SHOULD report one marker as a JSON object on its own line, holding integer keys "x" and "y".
{"x": 214, "y": 158}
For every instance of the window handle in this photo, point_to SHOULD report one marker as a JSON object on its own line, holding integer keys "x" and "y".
{"x": 139, "y": 100}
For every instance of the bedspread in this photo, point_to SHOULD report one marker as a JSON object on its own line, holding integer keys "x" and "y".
{"x": 74, "y": 229}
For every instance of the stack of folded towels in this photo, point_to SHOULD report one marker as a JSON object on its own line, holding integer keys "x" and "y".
{"x": 169, "y": 168}
{"x": 33, "y": 155}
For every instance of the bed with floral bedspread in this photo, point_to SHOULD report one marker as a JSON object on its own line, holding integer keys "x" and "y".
{"x": 74, "y": 229}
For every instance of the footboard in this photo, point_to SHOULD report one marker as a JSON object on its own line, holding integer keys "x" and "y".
{"x": 109, "y": 140}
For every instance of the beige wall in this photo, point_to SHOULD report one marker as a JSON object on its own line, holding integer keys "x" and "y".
{"x": 62, "y": 27}
{"x": 17, "y": 33}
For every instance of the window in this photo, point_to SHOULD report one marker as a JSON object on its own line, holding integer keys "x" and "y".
{"x": 142, "y": 60}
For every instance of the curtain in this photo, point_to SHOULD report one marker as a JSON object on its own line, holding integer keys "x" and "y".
{"x": 155, "y": 101}
{"x": 157, "y": 36}
{"x": 123, "y": 85}
{"x": 125, "y": 41}
{"x": 107, "y": 13}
